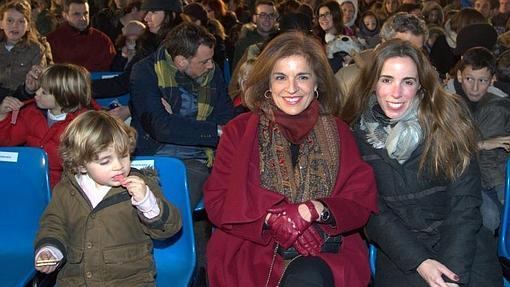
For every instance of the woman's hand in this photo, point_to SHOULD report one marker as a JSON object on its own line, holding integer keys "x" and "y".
{"x": 305, "y": 212}
{"x": 431, "y": 271}
{"x": 494, "y": 143}
{"x": 309, "y": 243}
{"x": 286, "y": 222}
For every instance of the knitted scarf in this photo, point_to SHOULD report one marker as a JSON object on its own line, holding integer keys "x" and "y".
{"x": 399, "y": 136}
{"x": 314, "y": 175}
{"x": 171, "y": 80}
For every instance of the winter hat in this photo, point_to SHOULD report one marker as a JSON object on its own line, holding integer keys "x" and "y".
{"x": 197, "y": 11}
{"x": 476, "y": 35}
{"x": 355, "y": 4}
{"x": 162, "y": 5}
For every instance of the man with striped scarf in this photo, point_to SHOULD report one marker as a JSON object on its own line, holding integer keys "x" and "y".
{"x": 179, "y": 102}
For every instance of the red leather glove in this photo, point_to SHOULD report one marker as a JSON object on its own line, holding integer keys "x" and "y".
{"x": 309, "y": 243}
{"x": 286, "y": 224}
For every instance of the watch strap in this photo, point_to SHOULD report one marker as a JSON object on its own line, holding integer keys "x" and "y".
{"x": 313, "y": 211}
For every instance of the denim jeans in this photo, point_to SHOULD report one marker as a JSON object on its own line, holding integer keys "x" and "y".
{"x": 492, "y": 207}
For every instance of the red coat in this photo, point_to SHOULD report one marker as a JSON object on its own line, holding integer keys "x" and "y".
{"x": 91, "y": 48}
{"x": 239, "y": 252}
{"x": 31, "y": 129}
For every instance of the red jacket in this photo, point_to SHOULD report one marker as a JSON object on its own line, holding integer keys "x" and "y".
{"x": 240, "y": 252}
{"x": 31, "y": 129}
{"x": 90, "y": 48}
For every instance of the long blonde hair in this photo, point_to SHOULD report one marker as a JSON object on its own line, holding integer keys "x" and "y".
{"x": 449, "y": 134}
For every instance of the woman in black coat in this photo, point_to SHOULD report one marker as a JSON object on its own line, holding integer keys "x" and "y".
{"x": 421, "y": 145}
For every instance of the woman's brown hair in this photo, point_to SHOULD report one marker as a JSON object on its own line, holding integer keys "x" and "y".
{"x": 466, "y": 17}
{"x": 286, "y": 45}
{"x": 448, "y": 132}
{"x": 336, "y": 15}
{"x": 24, "y": 8}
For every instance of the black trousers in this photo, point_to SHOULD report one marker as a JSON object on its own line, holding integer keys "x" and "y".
{"x": 308, "y": 271}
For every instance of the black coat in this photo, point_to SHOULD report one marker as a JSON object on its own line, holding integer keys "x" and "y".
{"x": 423, "y": 216}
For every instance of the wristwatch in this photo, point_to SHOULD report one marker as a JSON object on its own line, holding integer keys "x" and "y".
{"x": 325, "y": 215}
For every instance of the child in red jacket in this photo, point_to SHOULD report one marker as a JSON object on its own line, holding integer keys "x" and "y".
{"x": 63, "y": 94}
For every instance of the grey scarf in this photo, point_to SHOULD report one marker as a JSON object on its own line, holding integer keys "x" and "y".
{"x": 399, "y": 136}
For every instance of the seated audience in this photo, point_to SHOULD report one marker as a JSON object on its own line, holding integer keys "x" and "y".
{"x": 265, "y": 19}
{"x": 103, "y": 210}
{"x": 179, "y": 102}
{"x": 503, "y": 72}
{"x": 403, "y": 26}
{"x": 76, "y": 43}
{"x": 289, "y": 193}
{"x": 491, "y": 114}
{"x": 421, "y": 143}
{"x": 20, "y": 48}
{"x": 63, "y": 94}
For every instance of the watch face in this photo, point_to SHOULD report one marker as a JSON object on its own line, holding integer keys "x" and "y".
{"x": 325, "y": 215}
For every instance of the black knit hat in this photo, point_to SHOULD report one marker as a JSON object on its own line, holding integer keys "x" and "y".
{"x": 162, "y": 5}
{"x": 197, "y": 11}
{"x": 476, "y": 35}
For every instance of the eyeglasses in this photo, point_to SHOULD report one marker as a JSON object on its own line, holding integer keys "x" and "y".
{"x": 266, "y": 16}
{"x": 325, "y": 15}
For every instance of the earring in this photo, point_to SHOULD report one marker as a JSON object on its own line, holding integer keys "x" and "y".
{"x": 266, "y": 95}
{"x": 316, "y": 93}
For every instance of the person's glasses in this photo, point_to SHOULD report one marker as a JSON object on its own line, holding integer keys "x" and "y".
{"x": 266, "y": 16}
{"x": 325, "y": 15}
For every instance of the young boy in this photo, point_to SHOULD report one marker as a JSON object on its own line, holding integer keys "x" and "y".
{"x": 99, "y": 225}
{"x": 491, "y": 115}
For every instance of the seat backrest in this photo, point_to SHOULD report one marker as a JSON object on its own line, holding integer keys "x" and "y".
{"x": 107, "y": 102}
{"x": 175, "y": 257}
{"x": 504, "y": 243}
{"x": 25, "y": 188}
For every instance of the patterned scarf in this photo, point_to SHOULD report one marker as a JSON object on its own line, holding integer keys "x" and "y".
{"x": 315, "y": 173}
{"x": 169, "y": 78}
{"x": 400, "y": 136}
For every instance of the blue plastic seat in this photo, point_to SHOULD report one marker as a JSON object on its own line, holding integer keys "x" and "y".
{"x": 25, "y": 188}
{"x": 504, "y": 243}
{"x": 106, "y": 102}
{"x": 175, "y": 257}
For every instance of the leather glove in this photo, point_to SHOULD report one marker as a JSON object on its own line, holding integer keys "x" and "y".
{"x": 309, "y": 243}
{"x": 286, "y": 224}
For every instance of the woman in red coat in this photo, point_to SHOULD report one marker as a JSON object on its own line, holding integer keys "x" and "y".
{"x": 63, "y": 94}
{"x": 289, "y": 193}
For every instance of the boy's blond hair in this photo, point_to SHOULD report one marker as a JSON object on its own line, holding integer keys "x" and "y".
{"x": 69, "y": 84}
{"x": 92, "y": 133}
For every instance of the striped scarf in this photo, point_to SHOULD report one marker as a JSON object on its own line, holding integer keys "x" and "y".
{"x": 170, "y": 80}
